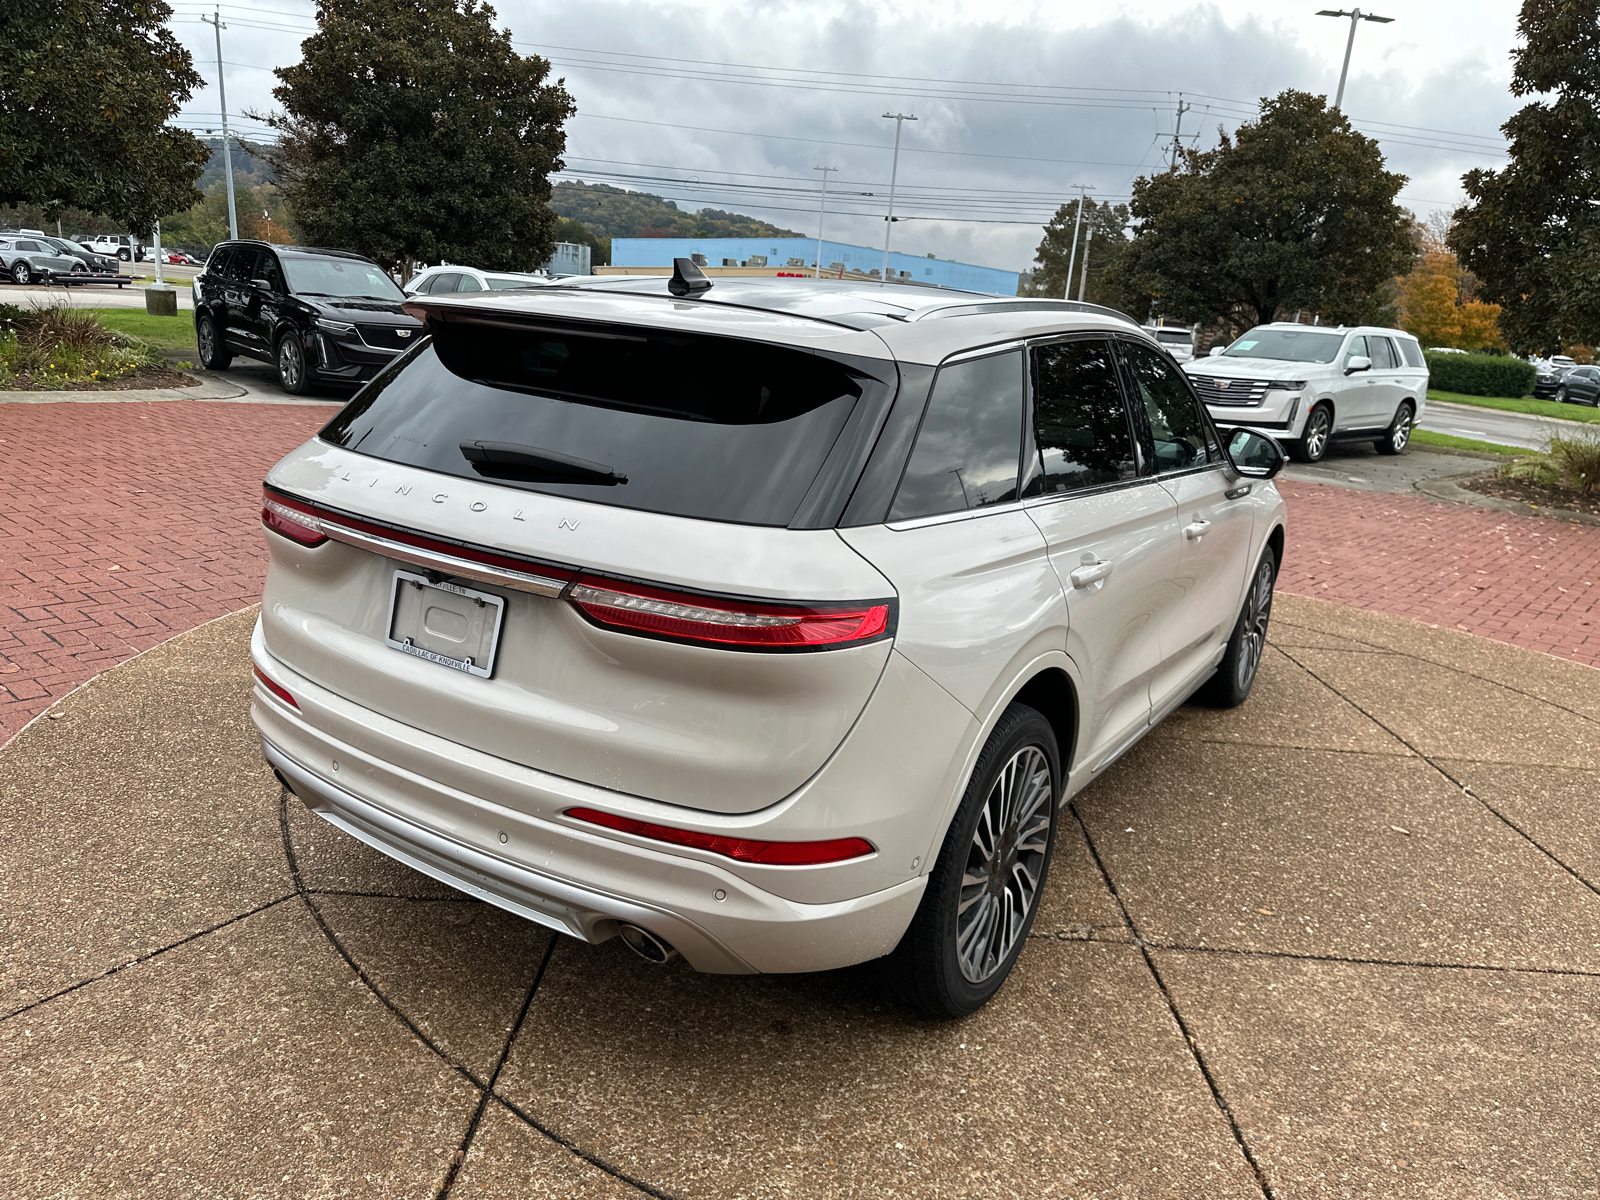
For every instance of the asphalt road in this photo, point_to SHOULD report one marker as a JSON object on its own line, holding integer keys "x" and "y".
{"x": 1492, "y": 425}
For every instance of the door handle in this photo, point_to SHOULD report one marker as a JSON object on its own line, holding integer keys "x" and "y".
{"x": 1092, "y": 571}
{"x": 1196, "y": 529}
{"x": 1239, "y": 492}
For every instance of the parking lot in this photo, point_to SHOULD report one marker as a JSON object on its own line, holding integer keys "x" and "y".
{"x": 1338, "y": 942}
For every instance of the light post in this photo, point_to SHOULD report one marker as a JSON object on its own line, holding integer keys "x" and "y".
{"x": 1355, "y": 14}
{"x": 821, "y": 212}
{"x": 216, "y": 22}
{"x": 1072, "y": 259}
{"x": 888, "y": 228}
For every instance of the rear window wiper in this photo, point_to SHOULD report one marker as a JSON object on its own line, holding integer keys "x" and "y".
{"x": 507, "y": 460}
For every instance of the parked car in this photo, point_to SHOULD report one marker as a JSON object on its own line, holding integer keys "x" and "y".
{"x": 1311, "y": 386}
{"x": 32, "y": 260}
{"x": 88, "y": 261}
{"x": 116, "y": 245}
{"x": 1549, "y": 379}
{"x": 770, "y": 623}
{"x": 319, "y": 316}
{"x": 1176, "y": 341}
{"x": 1575, "y": 385}
{"x": 438, "y": 280}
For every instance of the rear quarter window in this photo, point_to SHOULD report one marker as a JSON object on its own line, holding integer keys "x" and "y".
{"x": 697, "y": 426}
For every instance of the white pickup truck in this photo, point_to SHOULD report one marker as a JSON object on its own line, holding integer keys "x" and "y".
{"x": 1310, "y": 386}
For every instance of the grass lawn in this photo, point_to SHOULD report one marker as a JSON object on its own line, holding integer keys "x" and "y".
{"x": 1537, "y": 408}
{"x": 1426, "y": 437}
{"x": 164, "y": 333}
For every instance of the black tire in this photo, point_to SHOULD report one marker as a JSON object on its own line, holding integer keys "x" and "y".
{"x": 1312, "y": 444}
{"x": 290, "y": 359}
{"x": 1562, "y": 395}
{"x": 1236, "y": 673}
{"x": 124, "y": 256}
{"x": 79, "y": 269}
{"x": 1397, "y": 438}
{"x": 931, "y": 967}
{"x": 208, "y": 344}
{"x": 21, "y": 273}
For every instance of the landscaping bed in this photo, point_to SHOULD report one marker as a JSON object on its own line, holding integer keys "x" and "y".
{"x": 1540, "y": 495}
{"x": 56, "y": 347}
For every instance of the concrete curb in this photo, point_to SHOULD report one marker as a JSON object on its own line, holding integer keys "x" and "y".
{"x": 1447, "y": 489}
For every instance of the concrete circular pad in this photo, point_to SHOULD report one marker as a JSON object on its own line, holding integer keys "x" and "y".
{"x": 1344, "y": 940}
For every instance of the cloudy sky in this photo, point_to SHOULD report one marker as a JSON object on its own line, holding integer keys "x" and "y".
{"x": 732, "y": 105}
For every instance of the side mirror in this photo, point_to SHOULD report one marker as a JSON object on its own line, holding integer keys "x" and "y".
{"x": 1216, "y": 351}
{"x": 261, "y": 285}
{"x": 1253, "y": 455}
{"x": 1358, "y": 363}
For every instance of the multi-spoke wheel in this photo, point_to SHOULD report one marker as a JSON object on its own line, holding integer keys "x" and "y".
{"x": 984, "y": 888}
{"x": 1236, "y": 673}
{"x": 1312, "y": 445}
{"x": 1398, "y": 436}
{"x": 292, "y": 364}
{"x": 21, "y": 272}
{"x": 209, "y": 344}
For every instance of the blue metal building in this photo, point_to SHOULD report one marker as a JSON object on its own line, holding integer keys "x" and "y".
{"x": 778, "y": 252}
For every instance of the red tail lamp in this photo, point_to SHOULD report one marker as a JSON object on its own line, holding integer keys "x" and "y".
{"x": 294, "y": 519}
{"x": 750, "y": 850}
{"x": 637, "y": 608}
{"x": 276, "y": 689}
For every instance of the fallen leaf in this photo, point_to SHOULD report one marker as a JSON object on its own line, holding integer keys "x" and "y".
{"x": 9, "y": 669}
{"x": 1397, "y": 829}
{"x": 1266, "y": 912}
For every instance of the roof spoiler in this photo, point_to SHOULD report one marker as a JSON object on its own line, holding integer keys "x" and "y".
{"x": 687, "y": 279}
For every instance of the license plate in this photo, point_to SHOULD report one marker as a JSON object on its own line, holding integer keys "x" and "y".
{"x": 445, "y": 623}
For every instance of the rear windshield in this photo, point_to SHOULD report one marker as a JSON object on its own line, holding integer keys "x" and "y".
{"x": 1287, "y": 345}
{"x": 690, "y": 425}
{"x": 1173, "y": 337}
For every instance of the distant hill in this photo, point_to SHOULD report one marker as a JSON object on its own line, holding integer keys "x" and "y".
{"x": 249, "y": 169}
{"x": 609, "y": 212}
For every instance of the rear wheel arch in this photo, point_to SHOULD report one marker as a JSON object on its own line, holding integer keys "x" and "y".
{"x": 1051, "y": 693}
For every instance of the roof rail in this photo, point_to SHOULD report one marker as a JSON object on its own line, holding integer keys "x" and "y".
{"x": 1020, "y": 304}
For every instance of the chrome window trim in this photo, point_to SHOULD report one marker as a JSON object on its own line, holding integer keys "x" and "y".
{"x": 462, "y": 568}
{"x": 1117, "y": 485}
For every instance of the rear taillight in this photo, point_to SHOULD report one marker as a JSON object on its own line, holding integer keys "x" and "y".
{"x": 276, "y": 689}
{"x": 294, "y": 519}
{"x": 753, "y": 625}
{"x": 750, "y": 850}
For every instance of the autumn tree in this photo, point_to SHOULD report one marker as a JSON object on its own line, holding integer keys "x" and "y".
{"x": 412, "y": 131}
{"x": 1530, "y": 231}
{"x": 1295, "y": 211}
{"x": 86, "y": 90}
{"x": 1102, "y": 241}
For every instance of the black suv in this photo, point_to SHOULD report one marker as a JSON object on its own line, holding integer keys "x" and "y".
{"x": 319, "y": 316}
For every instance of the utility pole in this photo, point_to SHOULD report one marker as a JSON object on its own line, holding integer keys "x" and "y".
{"x": 1083, "y": 285}
{"x": 1177, "y": 130}
{"x": 1355, "y": 14}
{"x": 216, "y": 22}
{"x": 1072, "y": 259}
{"x": 899, "y": 119}
{"x": 821, "y": 212}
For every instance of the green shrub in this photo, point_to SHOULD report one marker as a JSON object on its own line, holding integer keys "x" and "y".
{"x": 1572, "y": 462}
{"x": 55, "y": 346}
{"x": 1480, "y": 374}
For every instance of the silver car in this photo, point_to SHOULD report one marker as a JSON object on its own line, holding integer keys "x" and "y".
{"x": 768, "y": 623}
{"x": 31, "y": 260}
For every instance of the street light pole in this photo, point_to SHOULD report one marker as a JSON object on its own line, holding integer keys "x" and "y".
{"x": 1355, "y": 14}
{"x": 1072, "y": 259}
{"x": 821, "y": 212}
{"x": 1083, "y": 287}
{"x": 216, "y": 22}
{"x": 894, "y": 172}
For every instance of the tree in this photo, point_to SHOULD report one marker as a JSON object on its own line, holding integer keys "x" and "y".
{"x": 610, "y": 212}
{"x": 1435, "y": 303}
{"x": 86, "y": 89}
{"x": 412, "y": 131}
{"x": 1529, "y": 231}
{"x": 1295, "y": 211}
{"x": 1105, "y": 242}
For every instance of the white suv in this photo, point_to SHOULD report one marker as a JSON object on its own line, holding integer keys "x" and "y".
{"x": 445, "y": 278}
{"x": 1310, "y": 386}
{"x": 770, "y": 623}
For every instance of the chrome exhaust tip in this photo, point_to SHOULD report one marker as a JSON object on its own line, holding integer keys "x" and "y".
{"x": 646, "y": 944}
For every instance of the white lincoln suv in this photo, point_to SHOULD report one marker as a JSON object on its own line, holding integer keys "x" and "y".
{"x": 1311, "y": 386}
{"x": 771, "y": 624}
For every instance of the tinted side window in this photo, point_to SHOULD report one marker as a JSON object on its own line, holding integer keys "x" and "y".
{"x": 267, "y": 268}
{"x": 219, "y": 262}
{"x": 445, "y": 283}
{"x": 1356, "y": 349}
{"x": 468, "y": 284}
{"x": 1176, "y": 427}
{"x": 971, "y": 437}
{"x": 1412, "y": 352}
{"x": 1080, "y": 424}
{"x": 1383, "y": 356}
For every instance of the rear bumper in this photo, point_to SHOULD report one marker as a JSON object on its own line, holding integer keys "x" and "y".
{"x": 558, "y": 873}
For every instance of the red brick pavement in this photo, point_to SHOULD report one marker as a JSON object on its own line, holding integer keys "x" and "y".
{"x": 1530, "y": 581}
{"x": 123, "y": 524}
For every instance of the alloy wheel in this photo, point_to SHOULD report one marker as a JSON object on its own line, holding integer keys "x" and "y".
{"x": 1400, "y": 436}
{"x": 1258, "y": 611}
{"x": 291, "y": 365}
{"x": 1317, "y": 434}
{"x": 1561, "y": 395}
{"x": 22, "y": 274}
{"x": 1005, "y": 864}
{"x": 208, "y": 342}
